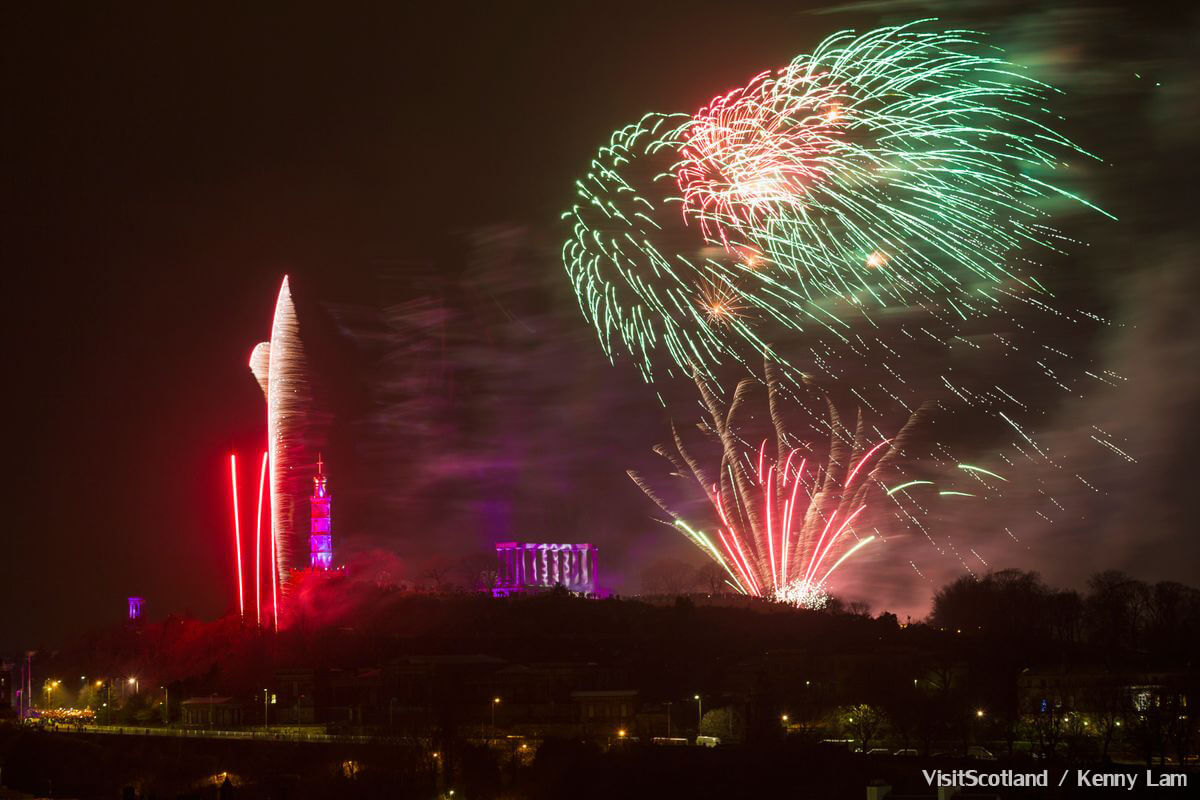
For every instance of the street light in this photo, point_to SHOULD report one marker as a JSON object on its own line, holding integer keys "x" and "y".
{"x": 107, "y": 699}
{"x": 134, "y": 683}
{"x": 979, "y": 713}
{"x": 699, "y": 712}
{"x": 495, "y": 702}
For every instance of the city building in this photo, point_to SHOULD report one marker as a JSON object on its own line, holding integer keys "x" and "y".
{"x": 536, "y": 566}
{"x": 1095, "y": 689}
{"x": 211, "y": 712}
{"x": 603, "y": 712}
{"x": 320, "y": 539}
{"x": 6, "y": 688}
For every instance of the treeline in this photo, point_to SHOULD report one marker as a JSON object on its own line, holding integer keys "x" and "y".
{"x": 1120, "y": 620}
{"x": 1003, "y": 659}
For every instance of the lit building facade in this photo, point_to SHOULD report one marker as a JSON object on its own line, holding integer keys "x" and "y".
{"x": 534, "y": 566}
{"x": 320, "y": 539}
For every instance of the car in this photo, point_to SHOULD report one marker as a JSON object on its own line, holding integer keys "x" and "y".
{"x": 846, "y": 743}
{"x": 907, "y": 752}
{"x": 879, "y": 751}
{"x": 708, "y": 741}
{"x": 980, "y": 753}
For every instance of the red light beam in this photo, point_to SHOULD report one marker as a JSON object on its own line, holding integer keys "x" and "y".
{"x": 237, "y": 533}
{"x": 262, "y": 482}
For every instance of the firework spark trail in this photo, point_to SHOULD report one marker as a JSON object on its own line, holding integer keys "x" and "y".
{"x": 756, "y": 503}
{"x": 237, "y": 534}
{"x": 274, "y": 579}
{"x": 279, "y": 367}
{"x": 262, "y": 483}
{"x": 896, "y": 168}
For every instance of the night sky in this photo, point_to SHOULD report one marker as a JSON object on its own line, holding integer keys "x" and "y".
{"x": 164, "y": 168}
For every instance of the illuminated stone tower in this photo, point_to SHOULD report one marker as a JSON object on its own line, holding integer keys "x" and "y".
{"x": 320, "y": 539}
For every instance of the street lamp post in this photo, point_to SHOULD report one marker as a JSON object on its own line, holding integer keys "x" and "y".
{"x": 495, "y": 702}
{"x": 699, "y": 712}
{"x": 166, "y": 705}
{"x": 668, "y": 720}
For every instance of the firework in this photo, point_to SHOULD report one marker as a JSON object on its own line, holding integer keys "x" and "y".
{"x": 787, "y": 514}
{"x": 262, "y": 482}
{"x": 278, "y": 365}
{"x": 895, "y": 169}
{"x": 237, "y": 534}
{"x": 642, "y": 278}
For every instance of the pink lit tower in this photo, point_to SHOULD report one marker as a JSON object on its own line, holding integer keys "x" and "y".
{"x": 320, "y": 539}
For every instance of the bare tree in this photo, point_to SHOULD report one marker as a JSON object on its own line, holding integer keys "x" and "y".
{"x": 712, "y": 577}
{"x": 669, "y": 576}
{"x": 858, "y": 608}
{"x": 436, "y": 573}
{"x": 1047, "y": 720}
{"x": 478, "y": 572}
{"x": 864, "y": 722}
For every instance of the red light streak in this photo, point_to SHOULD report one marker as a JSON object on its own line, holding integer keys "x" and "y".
{"x": 816, "y": 563}
{"x": 789, "y": 511}
{"x": 743, "y": 565}
{"x": 787, "y": 467}
{"x": 863, "y": 460}
{"x": 820, "y": 541}
{"x": 768, "y": 490}
{"x": 237, "y": 533}
{"x": 262, "y": 482}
